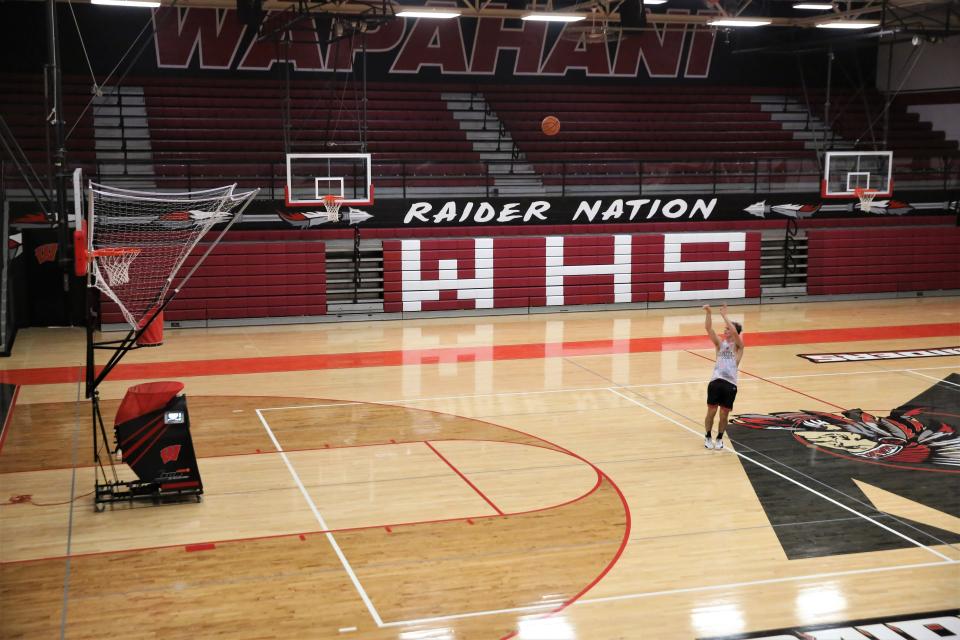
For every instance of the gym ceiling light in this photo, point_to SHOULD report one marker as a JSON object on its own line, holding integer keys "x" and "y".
{"x": 554, "y": 17}
{"x": 127, "y": 3}
{"x": 848, "y": 24}
{"x": 740, "y": 22}
{"x": 439, "y": 14}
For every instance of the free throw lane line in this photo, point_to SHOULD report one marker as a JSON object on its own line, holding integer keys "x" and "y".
{"x": 323, "y": 525}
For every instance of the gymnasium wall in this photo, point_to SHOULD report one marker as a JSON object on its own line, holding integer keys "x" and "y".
{"x": 209, "y": 42}
{"x": 926, "y": 66}
{"x": 281, "y": 274}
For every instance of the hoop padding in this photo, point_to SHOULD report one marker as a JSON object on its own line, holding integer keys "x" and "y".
{"x": 163, "y": 228}
{"x": 80, "y": 257}
{"x": 866, "y": 198}
{"x": 332, "y": 204}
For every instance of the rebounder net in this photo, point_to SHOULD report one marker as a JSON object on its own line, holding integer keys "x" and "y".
{"x": 135, "y": 242}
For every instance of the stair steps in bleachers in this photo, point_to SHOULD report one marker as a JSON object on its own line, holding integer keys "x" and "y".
{"x": 122, "y": 138}
{"x": 344, "y": 296}
{"x": 512, "y": 174}
{"x": 778, "y": 282}
{"x": 797, "y": 119}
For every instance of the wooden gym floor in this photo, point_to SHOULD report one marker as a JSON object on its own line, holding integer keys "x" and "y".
{"x": 535, "y": 476}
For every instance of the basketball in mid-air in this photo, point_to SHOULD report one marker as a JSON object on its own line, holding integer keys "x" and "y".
{"x": 550, "y": 125}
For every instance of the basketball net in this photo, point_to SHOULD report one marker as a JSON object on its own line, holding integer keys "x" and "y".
{"x": 116, "y": 264}
{"x": 332, "y": 204}
{"x": 866, "y": 198}
{"x": 137, "y": 241}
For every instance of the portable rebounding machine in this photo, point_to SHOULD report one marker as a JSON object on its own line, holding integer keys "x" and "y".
{"x": 132, "y": 246}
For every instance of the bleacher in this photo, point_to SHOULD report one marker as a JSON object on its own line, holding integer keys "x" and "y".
{"x": 254, "y": 275}
{"x": 408, "y": 125}
{"x": 670, "y": 139}
{"x": 22, "y": 106}
{"x": 195, "y": 133}
{"x": 643, "y": 124}
{"x": 882, "y": 260}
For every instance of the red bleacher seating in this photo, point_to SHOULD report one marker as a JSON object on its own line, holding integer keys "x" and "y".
{"x": 248, "y": 279}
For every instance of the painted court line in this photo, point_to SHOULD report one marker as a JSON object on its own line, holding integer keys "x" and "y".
{"x": 769, "y": 381}
{"x": 537, "y": 608}
{"x": 917, "y": 373}
{"x": 464, "y": 478}
{"x": 529, "y": 351}
{"x": 323, "y": 525}
{"x": 73, "y": 494}
{"x": 855, "y": 373}
{"x": 320, "y": 405}
{"x": 436, "y": 398}
{"x": 791, "y": 480}
{"x": 401, "y": 401}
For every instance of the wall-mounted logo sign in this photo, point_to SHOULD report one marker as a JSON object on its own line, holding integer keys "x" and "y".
{"x": 880, "y": 355}
{"x": 46, "y": 252}
{"x": 529, "y": 271}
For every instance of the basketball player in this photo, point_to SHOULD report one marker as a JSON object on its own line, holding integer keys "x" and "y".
{"x": 722, "y": 390}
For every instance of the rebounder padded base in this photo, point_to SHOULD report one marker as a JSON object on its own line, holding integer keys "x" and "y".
{"x": 152, "y": 336}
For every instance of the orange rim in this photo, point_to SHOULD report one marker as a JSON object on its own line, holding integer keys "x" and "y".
{"x": 115, "y": 251}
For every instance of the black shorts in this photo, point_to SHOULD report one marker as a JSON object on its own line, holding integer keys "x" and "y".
{"x": 722, "y": 393}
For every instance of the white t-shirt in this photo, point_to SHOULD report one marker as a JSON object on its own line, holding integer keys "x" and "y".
{"x": 726, "y": 366}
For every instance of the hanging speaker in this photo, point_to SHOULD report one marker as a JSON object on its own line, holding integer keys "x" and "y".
{"x": 632, "y": 15}
{"x": 250, "y": 12}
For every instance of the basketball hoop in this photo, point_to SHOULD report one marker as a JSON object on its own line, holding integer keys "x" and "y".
{"x": 866, "y": 198}
{"x": 115, "y": 262}
{"x": 332, "y": 203}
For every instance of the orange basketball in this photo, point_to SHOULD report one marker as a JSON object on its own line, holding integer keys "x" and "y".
{"x": 550, "y": 125}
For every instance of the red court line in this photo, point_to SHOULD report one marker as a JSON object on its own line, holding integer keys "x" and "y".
{"x": 316, "y": 362}
{"x": 776, "y": 384}
{"x": 465, "y": 479}
{"x": 628, "y": 525}
{"x": 302, "y": 535}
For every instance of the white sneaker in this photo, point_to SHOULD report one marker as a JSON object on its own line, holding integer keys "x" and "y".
{"x": 707, "y": 442}
{"x": 718, "y": 445}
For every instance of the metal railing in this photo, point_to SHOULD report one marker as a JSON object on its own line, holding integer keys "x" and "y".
{"x": 600, "y": 176}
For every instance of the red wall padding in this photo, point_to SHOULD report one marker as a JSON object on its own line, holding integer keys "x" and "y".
{"x": 248, "y": 280}
{"x": 878, "y": 260}
{"x": 479, "y": 273}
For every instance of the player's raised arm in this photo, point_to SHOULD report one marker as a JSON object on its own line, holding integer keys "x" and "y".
{"x": 732, "y": 330}
{"x": 708, "y": 325}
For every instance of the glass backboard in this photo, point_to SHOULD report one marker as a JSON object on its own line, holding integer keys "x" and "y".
{"x": 846, "y": 171}
{"x": 311, "y": 176}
